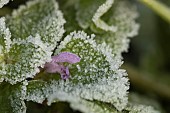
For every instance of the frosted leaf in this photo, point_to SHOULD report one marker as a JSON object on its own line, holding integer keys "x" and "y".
{"x": 38, "y": 90}
{"x": 3, "y": 2}
{"x": 41, "y": 17}
{"x": 99, "y": 13}
{"x": 123, "y": 16}
{"x": 131, "y": 108}
{"x": 137, "y": 99}
{"x": 24, "y": 59}
{"x": 5, "y": 40}
{"x": 96, "y": 76}
{"x": 12, "y": 98}
{"x": 82, "y": 105}
{"x": 85, "y": 11}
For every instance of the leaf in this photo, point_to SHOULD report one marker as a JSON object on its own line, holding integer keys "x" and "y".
{"x": 12, "y": 98}
{"x": 38, "y": 17}
{"x": 3, "y": 2}
{"x": 37, "y": 90}
{"x": 85, "y": 11}
{"x": 99, "y": 13}
{"x": 96, "y": 77}
{"x": 35, "y": 30}
{"x": 24, "y": 59}
{"x": 83, "y": 105}
{"x": 132, "y": 108}
{"x": 122, "y": 15}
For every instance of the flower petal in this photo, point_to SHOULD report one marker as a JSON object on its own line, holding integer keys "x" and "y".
{"x": 52, "y": 67}
{"x": 65, "y": 74}
{"x": 66, "y": 57}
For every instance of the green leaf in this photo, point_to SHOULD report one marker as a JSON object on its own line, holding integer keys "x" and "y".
{"x": 122, "y": 15}
{"x": 37, "y": 91}
{"x": 35, "y": 30}
{"x": 24, "y": 59}
{"x": 95, "y": 77}
{"x": 85, "y": 11}
{"x": 12, "y": 98}
{"x": 134, "y": 108}
{"x": 38, "y": 17}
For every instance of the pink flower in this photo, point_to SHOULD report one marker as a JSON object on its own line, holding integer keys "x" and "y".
{"x": 56, "y": 65}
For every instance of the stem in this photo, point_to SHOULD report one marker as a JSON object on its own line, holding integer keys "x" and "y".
{"x": 159, "y": 8}
{"x": 146, "y": 84}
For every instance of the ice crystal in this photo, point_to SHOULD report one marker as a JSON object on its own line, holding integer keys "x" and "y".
{"x": 97, "y": 76}
{"x": 24, "y": 59}
{"x": 99, "y": 13}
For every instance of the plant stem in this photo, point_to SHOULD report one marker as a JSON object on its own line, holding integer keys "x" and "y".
{"x": 146, "y": 84}
{"x": 159, "y": 8}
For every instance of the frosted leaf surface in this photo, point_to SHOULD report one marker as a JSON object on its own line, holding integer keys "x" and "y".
{"x": 85, "y": 11}
{"x": 122, "y": 15}
{"x": 38, "y": 17}
{"x": 12, "y": 98}
{"x": 38, "y": 90}
{"x": 31, "y": 34}
{"x": 3, "y": 2}
{"x": 5, "y": 40}
{"x": 96, "y": 76}
{"x": 99, "y": 13}
{"x": 24, "y": 59}
{"x": 132, "y": 108}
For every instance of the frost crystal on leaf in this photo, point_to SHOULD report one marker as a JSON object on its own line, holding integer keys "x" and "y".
{"x": 38, "y": 17}
{"x": 27, "y": 42}
{"x": 99, "y": 13}
{"x": 122, "y": 15}
{"x": 141, "y": 109}
{"x": 12, "y": 98}
{"x": 95, "y": 77}
{"x": 24, "y": 59}
{"x": 5, "y": 36}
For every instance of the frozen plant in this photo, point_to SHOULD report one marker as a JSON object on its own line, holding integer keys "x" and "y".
{"x": 37, "y": 46}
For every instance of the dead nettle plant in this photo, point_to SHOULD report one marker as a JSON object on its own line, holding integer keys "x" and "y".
{"x": 69, "y": 55}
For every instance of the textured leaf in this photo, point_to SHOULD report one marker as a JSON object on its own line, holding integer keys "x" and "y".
{"x": 85, "y": 11}
{"x": 5, "y": 42}
{"x": 38, "y": 17}
{"x": 122, "y": 15}
{"x": 24, "y": 59}
{"x": 38, "y": 90}
{"x": 12, "y": 98}
{"x": 132, "y": 108}
{"x": 96, "y": 77}
{"x": 3, "y": 2}
{"x": 35, "y": 30}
